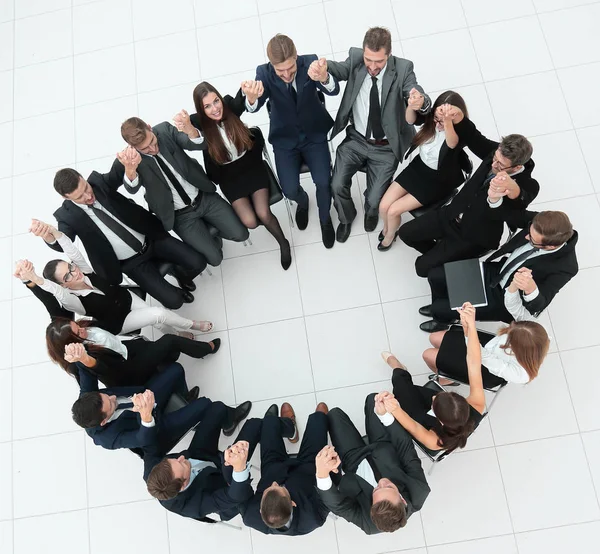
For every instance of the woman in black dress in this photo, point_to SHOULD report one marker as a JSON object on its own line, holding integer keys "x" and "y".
{"x": 233, "y": 160}
{"x": 433, "y": 173}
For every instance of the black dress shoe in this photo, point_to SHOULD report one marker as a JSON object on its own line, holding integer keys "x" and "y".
{"x": 237, "y": 414}
{"x": 426, "y": 311}
{"x": 327, "y": 234}
{"x": 343, "y": 232}
{"x": 192, "y": 394}
{"x": 286, "y": 255}
{"x": 381, "y": 236}
{"x": 187, "y": 296}
{"x": 273, "y": 410}
{"x": 432, "y": 326}
{"x": 301, "y": 218}
{"x": 371, "y": 222}
{"x": 382, "y": 248}
{"x": 216, "y": 345}
{"x": 187, "y": 285}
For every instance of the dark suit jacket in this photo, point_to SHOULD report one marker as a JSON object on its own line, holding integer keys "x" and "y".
{"x": 73, "y": 221}
{"x": 52, "y": 306}
{"x": 209, "y": 492}
{"x": 172, "y": 145}
{"x": 398, "y": 80}
{"x": 352, "y": 499}
{"x": 551, "y": 272}
{"x": 480, "y": 223}
{"x": 126, "y": 431}
{"x": 308, "y": 116}
{"x": 299, "y": 479}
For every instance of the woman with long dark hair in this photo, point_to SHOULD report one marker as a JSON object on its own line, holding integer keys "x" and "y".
{"x": 443, "y": 420}
{"x": 433, "y": 173}
{"x": 233, "y": 160}
{"x": 116, "y": 362}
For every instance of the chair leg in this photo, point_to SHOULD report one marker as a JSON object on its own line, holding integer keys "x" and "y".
{"x": 226, "y": 524}
{"x": 288, "y": 206}
{"x": 496, "y": 394}
{"x": 248, "y": 242}
{"x": 333, "y": 516}
{"x": 208, "y": 271}
{"x": 431, "y": 468}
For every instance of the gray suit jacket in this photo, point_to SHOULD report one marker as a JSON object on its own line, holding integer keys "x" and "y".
{"x": 172, "y": 145}
{"x": 398, "y": 80}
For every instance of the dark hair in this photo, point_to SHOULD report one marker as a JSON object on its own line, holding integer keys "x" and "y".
{"x": 87, "y": 410}
{"x": 161, "y": 483}
{"x": 133, "y": 131}
{"x": 66, "y": 181}
{"x": 377, "y": 38}
{"x": 427, "y": 131}
{"x": 49, "y": 272}
{"x": 281, "y": 48}
{"x": 453, "y": 412}
{"x": 275, "y": 508}
{"x": 387, "y": 516}
{"x": 237, "y": 132}
{"x": 555, "y": 227}
{"x": 59, "y": 334}
{"x": 529, "y": 342}
{"x": 516, "y": 148}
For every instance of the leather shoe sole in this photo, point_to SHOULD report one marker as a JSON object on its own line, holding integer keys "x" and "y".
{"x": 432, "y": 326}
{"x": 239, "y": 414}
{"x": 322, "y": 407}
{"x": 426, "y": 311}
{"x": 187, "y": 296}
{"x": 190, "y": 286}
{"x": 216, "y": 345}
{"x": 272, "y": 410}
{"x": 192, "y": 394}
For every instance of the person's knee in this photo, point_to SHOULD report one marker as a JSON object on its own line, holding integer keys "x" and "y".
{"x": 159, "y": 315}
{"x": 215, "y": 257}
{"x": 396, "y": 209}
{"x": 250, "y": 222}
{"x": 264, "y": 214}
{"x": 421, "y": 266}
{"x": 429, "y": 357}
{"x": 172, "y": 300}
{"x": 370, "y": 400}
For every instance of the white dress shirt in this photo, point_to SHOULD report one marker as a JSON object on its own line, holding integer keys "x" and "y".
{"x": 501, "y": 363}
{"x": 197, "y": 466}
{"x": 233, "y": 151}
{"x": 429, "y": 151}
{"x": 122, "y": 250}
{"x": 99, "y": 336}
{"x": 117, "y": 413}
{"x": 360, "y": 109}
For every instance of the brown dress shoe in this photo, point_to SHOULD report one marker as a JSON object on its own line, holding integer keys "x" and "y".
{"x": 288, "y": 411}
{"x": 322, "y": 407}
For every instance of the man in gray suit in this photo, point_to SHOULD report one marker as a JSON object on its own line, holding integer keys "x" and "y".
{"x": 380, "y": 103}
{"x": 178, "y": 190}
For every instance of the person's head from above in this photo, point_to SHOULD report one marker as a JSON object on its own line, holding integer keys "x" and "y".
{"x": 276, "y": 506}
{"x": 377, "y": 47}
{"x": 93, "y": 409}
{"x": 137, "y": 133}
{"x": 549, "y": 230}
{"x": 72, "y": 186}
{"x": 453, "y": 413}
{"x": 282, "y": 54}
{"x": 434, "y": 119}
{"x": 169, "y": 477}
{"x": 61, "y": 332}
{"x": 65, "y": 274}
{"x": 212, "y": 110}
{"x": 388, "y": 511}
{"x": 528, "y": 342}
{"x": 513, "y": 152}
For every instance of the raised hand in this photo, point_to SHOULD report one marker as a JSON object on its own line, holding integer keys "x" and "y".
{"x": 415, "y": 99}
{"x": 40, "y": 229}
{"x": 467, "y": 316}
{"x": 25, "y": 271}
{"x": 130, "y": 158}
{"x": 183, "y": 123}
{"x": 253, "y": 90}
{"x": 75, "y": 352}
{"x": 326, "y": 461}
{"x": 390, "y": 403}
{"x": 317, "y": 70}
{"x": 237, "y": 455}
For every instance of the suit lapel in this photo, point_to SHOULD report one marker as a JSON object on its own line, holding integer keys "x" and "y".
{"x": 358, "y": 82}
{"x": 301, "y": 78}
{"x": 517, "y": 241}
{"x": 388, "y": 78}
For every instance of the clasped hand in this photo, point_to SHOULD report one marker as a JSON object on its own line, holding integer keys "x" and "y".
{"x": 237, "y": 455}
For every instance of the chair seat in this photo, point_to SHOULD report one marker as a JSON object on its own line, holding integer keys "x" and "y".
{"x": 304, "y": 168}
{"x": 430, "y": 207}
{"x": 176, "y": 402}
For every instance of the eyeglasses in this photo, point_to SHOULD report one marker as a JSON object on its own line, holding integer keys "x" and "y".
{"x": 70, "y": 274}
{"x": 534, "y": 244}
{"x": 495, "y": 160}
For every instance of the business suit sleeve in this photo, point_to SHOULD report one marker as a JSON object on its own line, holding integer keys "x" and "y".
{"x": 479, "y": 144}
{"x": 345, "y": 507}
{"x": 63, "y": 228}
{"x": 409, "y": 82}
{"x": 238, "y": 104}
{"x": 87, "y": 381}
{"x": 547, "y": 290}
{"x": 180, "y": 138}
{"x": 114, "y": 178}
{"x": 132, "y": 438}
{"x": 340, "y": 70}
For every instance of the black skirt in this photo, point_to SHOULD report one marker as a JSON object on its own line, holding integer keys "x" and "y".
{"x": 424, "y": 183}
{"x": 452, "y": 358}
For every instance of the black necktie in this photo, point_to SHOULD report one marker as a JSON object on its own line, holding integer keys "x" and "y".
{"x": 118, "y": 229}
{"x": 176, "y": 184}
{"x": 293, "y": 92}
{"x": 125, "y": 406}
{"x": 373, "y": 465}
{"x": 374, "y": 125}
{"x": 512, "y": 265}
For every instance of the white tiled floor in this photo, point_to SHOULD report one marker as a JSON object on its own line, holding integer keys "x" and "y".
{"x": 72, "y": 70}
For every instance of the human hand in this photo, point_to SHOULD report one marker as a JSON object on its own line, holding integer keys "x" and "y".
{"x": 503, "y": 185}
{"x": 379, "y": 405}
{"x": 130, "y": 158}
{"x": 75, "y": 352}
{"x": 143, "y": 403}
{"x": 326, "y": 461}
{"x": 184, "y": 124}
{"x": 317, "y": 70}
{"x": 467, "y": 316}
{"x": 253, "y": 90}
{"x": 415, "y": 100}
{"x": 24, "y": 270}
{"x": 523, "y": 280}
{"x": 237, "y": 455}
{"x": 40, "y": 229}
{"x": 447, "y": 113}
{"x": 390, "y": 403}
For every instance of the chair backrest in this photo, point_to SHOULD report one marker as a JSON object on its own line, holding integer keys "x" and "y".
{"x": 275, "y": 192}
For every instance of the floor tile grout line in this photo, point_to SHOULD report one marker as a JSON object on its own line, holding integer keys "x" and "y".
{"x": 590, "y": 472}
{"x": 12, "y": 331}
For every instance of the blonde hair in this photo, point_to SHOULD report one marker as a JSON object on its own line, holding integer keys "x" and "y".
{"x": 529, "y": 343}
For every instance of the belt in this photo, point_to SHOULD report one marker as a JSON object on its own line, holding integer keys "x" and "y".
{"x": 191, "y": 206}
{"x": 144, "y": 248}
{"x": 382, "y": 142}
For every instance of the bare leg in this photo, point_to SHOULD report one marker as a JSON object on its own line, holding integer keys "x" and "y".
{"x": 394, "y": 216}
{"x": 436, "y": 338}
{"x": 393, "y": 193}
{"x": 430, "y": 357}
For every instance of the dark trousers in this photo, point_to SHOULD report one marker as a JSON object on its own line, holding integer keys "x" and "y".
{"x": 353, "y": 153}
{"x": 440, "y": 305}
{"x": 192, "y": 226}
{"x": 274, "y": 429}
{"x": 318, "y": 160}
{"x": 414, "y": 399}
{"x": 143, "y": 268}
{"x": 438, "y": 240}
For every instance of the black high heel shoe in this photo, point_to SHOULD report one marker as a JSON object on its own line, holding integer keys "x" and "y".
{"x": 382, "y": 248}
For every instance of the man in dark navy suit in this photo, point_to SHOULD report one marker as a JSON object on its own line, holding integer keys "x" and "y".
{"x": 299, "y": 125}
{"x": 115, "y": 417}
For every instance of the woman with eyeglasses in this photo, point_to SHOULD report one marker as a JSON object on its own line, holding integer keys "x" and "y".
{"x": 233, "y": 159}
{"x": 115, "y": 361}
{"x": 78, "y": 289}
{"x": 442, "y": 420}
{"x": 434, "y": 173}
